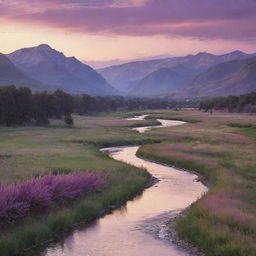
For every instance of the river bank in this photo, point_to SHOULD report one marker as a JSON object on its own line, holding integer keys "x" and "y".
{"x": 132, "y": 218}
{"x": 34, "y": 151}
{"x": 221, "y": 153}
{"x": 223, "y": 222}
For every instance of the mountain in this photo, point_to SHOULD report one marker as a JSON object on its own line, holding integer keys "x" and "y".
{"x": 121, "y": 76}
{"x": 11, "y": 75}
{"x": 158, "y": 82}
{"x": 218, "y": 72}
{"x": 55, "y": 70}
{"x": 229, "y": 78}
{"x": 200, "y": 75}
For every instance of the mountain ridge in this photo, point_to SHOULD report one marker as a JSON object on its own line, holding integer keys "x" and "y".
{"x": 57, "y": 71}
{"x": 237, "y": 77}
{"x": 10, "y": 74}
{"x": 44, "y": 68}
{"x": 159, "y": 82}
{"x": 121, "y": 76}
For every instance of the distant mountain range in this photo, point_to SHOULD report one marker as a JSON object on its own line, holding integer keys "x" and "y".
{"x": 43, "y": 68}
{"x": 228, "y": 78}
{"x": 159, "y": 82}
{"x": 187, "y": 76}
{"x": 191, "y": 76}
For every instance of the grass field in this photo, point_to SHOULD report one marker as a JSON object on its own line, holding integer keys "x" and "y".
{"x": 221, "y": 147}
{"x": 26, "y": 152}
{"x": 223, "y": 222}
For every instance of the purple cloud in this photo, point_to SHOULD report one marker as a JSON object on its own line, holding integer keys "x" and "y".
{"x": 206, "y": 19}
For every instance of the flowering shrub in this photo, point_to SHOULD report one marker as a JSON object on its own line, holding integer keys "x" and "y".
{"x": 37, "y": 194}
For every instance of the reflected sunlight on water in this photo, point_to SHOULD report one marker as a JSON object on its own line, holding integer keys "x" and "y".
{"x": 136, "y": 229}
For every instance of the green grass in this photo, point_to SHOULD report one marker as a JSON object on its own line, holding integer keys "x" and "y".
{"x": 251, "y": 132}
{"x": 30, "y": 151}
{"x": 223, "y": 222}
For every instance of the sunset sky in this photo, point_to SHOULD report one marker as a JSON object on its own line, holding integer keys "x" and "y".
{"x": 112, "y": 30}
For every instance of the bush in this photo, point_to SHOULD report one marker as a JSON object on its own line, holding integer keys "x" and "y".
{"x": 69, "y": 120}
{"x": 37, "y": 194}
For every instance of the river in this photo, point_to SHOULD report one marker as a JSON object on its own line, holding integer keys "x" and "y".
{"x": 139, "y": 228}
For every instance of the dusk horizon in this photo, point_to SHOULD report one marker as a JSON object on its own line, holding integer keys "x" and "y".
{"x": 108, "y": 63}
{"x": 128, "y": 127}
{"x": 104, "y": 30}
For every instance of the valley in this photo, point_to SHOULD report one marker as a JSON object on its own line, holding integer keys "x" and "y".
{"x": 207, "y": 149}
{"x": 127, "y": 128}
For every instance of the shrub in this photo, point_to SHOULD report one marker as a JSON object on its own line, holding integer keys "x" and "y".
{"x": 36, "y": 195}
{"x": 69, "y": 120}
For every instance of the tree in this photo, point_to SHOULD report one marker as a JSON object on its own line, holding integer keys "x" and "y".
{"x": 43, "y": 108}
{"x": 242, "y": 103}
{"x": 24, "y": 105}
{"x": 69, "y": 120}
{"x": 8, "y": 105}
{"x": 63, "y": 103}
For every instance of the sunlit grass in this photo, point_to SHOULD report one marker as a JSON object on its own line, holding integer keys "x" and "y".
{"x": 222, "y": 223}
{"x": 224, "y": 155}
{"x": 26, "y": 152}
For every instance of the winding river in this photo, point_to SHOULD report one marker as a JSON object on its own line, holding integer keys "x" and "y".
{"x": 139, "y": 228}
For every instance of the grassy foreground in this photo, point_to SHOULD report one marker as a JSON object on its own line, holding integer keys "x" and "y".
{"x": 26, "y": 152}
{"x": 222, "y": 148}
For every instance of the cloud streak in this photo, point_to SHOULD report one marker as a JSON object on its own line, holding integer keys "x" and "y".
{"x": 203, "y": 19}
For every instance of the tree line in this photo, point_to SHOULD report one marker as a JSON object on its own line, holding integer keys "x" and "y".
{"x": 19, "y": 106}
{"x": 242, "y": 103}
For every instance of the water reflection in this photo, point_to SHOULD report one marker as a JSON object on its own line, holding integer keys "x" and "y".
{"x": 137, "y": 118}
{"x": 136, "y": 228}
{"x": 164, "y": 123}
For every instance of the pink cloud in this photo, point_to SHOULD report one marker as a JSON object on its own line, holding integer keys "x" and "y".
{"x": 204, "y": 19}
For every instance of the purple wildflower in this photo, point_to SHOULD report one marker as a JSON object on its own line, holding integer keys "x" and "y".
{"x": 37, "y": 194}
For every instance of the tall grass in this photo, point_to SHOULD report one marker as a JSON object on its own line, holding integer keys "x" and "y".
{"x": 36, "y": 231}
{"x": 38, "y": 151}
{"x": 223, "y": 222}
{"x": 216, "y": 230}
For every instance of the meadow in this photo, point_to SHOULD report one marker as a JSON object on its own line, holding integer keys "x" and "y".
{"x": 220, "y": 147}
{"x": 27, "y": 153}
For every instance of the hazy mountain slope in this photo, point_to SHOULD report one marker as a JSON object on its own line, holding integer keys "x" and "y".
{"x": 242, "y": 81}
{"x": 11, "y": 75}
{"x": 55, "y": 69}
{"x": 120, "y": 76}
{"x": 158, "y": 82}
{"x": 219, "y": 71}
{"x": 230, "y": 78}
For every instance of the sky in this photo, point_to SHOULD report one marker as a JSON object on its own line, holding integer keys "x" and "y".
{"x": 104, "y": 32}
